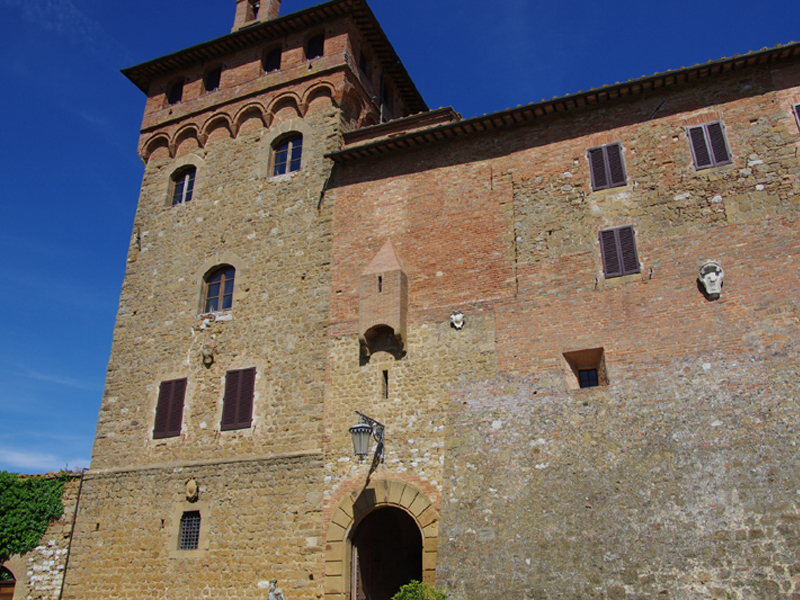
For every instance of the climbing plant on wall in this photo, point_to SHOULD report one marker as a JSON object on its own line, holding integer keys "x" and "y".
{"x": 27, "y": 506}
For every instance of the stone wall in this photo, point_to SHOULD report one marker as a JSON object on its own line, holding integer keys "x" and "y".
{"x": 40, "y": 572}
{"x": 261, "y": 518}
{"x": 677, "y": 479}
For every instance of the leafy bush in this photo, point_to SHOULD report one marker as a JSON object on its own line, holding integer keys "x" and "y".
{"x": 416, "y": 590}
{"x": 27, "y": 506}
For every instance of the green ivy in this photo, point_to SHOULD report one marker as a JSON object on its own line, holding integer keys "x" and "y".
{"x": 27, "y": 506}
{"x": 417, "y": 590}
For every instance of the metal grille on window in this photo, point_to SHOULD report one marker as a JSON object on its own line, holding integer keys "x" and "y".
{"x": 190, "y": 530}
{"x": 588, "y": 378}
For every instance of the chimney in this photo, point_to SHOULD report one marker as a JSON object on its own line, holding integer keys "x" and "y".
{"x": 249, "y": 12}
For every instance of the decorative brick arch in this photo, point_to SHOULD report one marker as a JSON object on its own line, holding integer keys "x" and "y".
{"x": 351, "y": 511}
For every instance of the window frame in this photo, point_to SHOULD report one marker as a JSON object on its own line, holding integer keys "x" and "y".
{"x": 169, "y": 408}
{"x": 209, "y": 281}
{"x": 710, "y": 145}
{"x": 182, "y": 182}
{"x": 607, "y": 161}
{"x": 238, "y": 399}
{"x": 194, "y": 532}
{"x": 618, "y": 245}
{"x": 283, "y": 154}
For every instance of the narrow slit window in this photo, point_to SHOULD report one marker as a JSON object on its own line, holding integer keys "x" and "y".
{"x": 190, "y": 530}
{"x": 380, "y": 284}
{"x": 386, "y": 384}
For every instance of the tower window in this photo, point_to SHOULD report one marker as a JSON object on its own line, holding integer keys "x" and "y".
{"x": 606, "y": 166}
{"x": 363, "y": 63}
{"x": 237, "y": 405}
{"x": 190, "y": 530}
{"x": 315, "y": 47}
{"x": 212, "y": 79}
{"x": 272, "y": 60}
{"x": 288, "y": 155}
{"x": 175, "y": 93}
{"x": 183, "y": 185}
{"x": 169, "y": 410}
{"x": 219, "y": 289}
{"x": 709, "y": 145}
{"x": 254, "y": 6}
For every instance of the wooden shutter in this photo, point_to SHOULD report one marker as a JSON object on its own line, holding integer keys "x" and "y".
{"x": 597, "y": 164}
{"x": 616, "y": 168}
{"x": 719, "y": 148}
{"x": 702, "y": 157}
{"x": 237, "y": 405}
{"x": 169, "y": 410}
{"x": 612, "y": 267}
{"x": 618, "y": 249}
{"x": 796, "y": 111}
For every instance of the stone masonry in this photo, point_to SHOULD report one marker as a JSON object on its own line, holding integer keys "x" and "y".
{"x": 675, "y": 478}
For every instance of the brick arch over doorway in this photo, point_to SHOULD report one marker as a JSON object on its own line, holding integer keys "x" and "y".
{"x": 354, "y": 508}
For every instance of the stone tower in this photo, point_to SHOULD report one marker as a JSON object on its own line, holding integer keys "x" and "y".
{"x": 210, "y": 442}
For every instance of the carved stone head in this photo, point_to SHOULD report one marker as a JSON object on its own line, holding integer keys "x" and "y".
{"x": 457, "y": 319}
{"x": 710, "y": 278}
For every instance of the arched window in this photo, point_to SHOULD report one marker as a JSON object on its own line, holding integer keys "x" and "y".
{"x": 272, "y": 60}
{"x": 212, "y": 79}
{"x": 288, "y": 155}
{"x": 219, "y": 289}
{"x": 182, "y": 185}
{"x": 175, "y": 93}
{"x": 315, "y": 46}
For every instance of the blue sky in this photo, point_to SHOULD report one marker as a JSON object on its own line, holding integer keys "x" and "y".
{"x": 70, "y": 176}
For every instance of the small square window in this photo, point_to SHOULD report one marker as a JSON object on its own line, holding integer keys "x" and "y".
{"x": 190, "y": 530}
{"x": 585, "y": 368}
{"x": 587, "y": 377}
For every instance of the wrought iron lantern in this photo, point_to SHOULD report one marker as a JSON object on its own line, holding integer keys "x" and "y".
{"x": 362, "y": 432}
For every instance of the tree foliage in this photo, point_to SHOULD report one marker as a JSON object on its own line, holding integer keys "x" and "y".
{"x": 416, "y": 590}
{"x": 27, "y": 506}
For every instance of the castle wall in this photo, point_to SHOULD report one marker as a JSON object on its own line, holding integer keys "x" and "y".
{"x": 676, "y": 479}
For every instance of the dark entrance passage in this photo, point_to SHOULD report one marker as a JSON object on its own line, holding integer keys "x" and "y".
{"x": 387, "y": 553}
{"x": 6, "y": 584}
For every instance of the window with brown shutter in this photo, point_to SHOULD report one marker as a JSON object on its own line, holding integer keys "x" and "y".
{"x": 709, "y": 145}
{"x": 169, "y": 410}
{"x": 618, "y": 249}
{"x": 237, "y": 405}
{"x": 607, "y": 167}
{"x": 796, "y": 111}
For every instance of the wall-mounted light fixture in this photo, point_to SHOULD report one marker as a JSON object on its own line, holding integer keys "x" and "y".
{"x": 362, "y": 432}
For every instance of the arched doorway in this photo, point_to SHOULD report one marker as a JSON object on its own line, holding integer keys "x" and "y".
{"x": 7, "y": 583}
{"x": 387, "y": 553}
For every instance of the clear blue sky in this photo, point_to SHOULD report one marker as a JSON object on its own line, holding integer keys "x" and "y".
{"x": 70, "y": 176}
